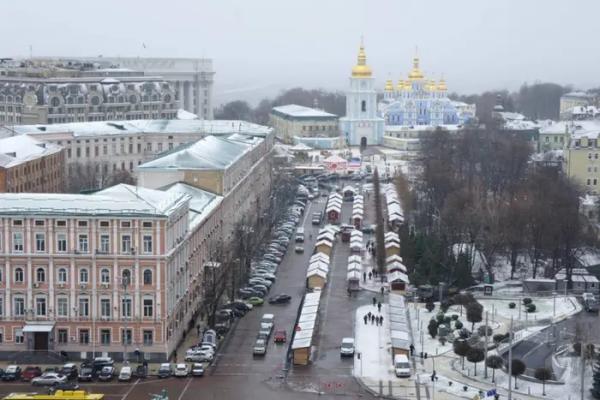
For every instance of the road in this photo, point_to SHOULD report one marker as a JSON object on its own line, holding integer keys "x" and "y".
{"x": 237, "y": 374}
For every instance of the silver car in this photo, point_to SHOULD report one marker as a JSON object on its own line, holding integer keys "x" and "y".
{"x": 48, "y": 379}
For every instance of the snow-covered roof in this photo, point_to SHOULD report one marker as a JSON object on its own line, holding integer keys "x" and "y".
{"x": 202, "y": 203}
{"x": 317, "y": 272}
{"x": 319, "y": 257}
{"x": 324, "y": 242}
{"x": 397, "y": 275}
{"x": 296, "y": 111}
{"x": 119, "y": 200}
{"x": 15, "y": 150}
{"x": 186, "y": 115}
{"x": 139, "y": 127}
{"x": 209, "y": 153}
{"x": 578, "y": 94}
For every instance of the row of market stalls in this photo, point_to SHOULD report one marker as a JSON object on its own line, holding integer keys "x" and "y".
{"x": 356, "y": 241}
{"x": 305, "y": 328}
{"x": 318, "y": 265}
{"x": 349, "y": 192}
{"x": 396, "y": 271}
{"x": 358, "y": 211}
{"x": 394, "y": 209}
{"x": 333, "y": 210}
{"x": 399, "y": 330}
{"x": 354, "y": 272}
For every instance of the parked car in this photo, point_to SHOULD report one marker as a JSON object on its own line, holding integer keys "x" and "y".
{"x": 197, "y": 369}
{"x": 347, "y": 347}
{"x": 280, "y": 299}
{"x": 256, "y": 301}
{"x": 125, "y": 373}
{"x": 30, "y": 372}
{"x": 164, "y": 371}
{"x": 260, "y": 347}
{"x": 299, "y": 249}
{"x": 265, "y": 329}
{"x": 48, "y": 379}
{"x": 182, "y": 370}
{"x": 280, "y": 336}
{"x": 141, "y": 371}
{"x": 100, "y": 362}
{"x": 86, "y": 373}
{"x": 69, "y": 370}
{"x": 12, "y": 373}
{"x": 199, "y": 356}
{"x": 107, "y": 373}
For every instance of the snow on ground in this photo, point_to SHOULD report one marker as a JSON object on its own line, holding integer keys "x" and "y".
{"x": 419, "y": 319}
{"x": 558, "y": 307}
{"x": 445, "y": 385}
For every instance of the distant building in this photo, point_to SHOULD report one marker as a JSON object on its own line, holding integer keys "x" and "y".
{"x": 571, "y": 100}
{"x": 123, "y": 145}
{"x": 298, "y": 124}
{"x": 362, "y": 126}
{"x": 28, "y": 165}
{"x": 409, "y": 138}
{"x": 582, "y": 155}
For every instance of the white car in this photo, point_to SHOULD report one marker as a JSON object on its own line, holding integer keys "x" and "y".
{"x": 347, "y": 348}
{"x": 260, "y": 347}
{"x": 48, "y": 379}
{"x": 200, "y": 356}
{"x": 181, "y": 370}
{"x": 125, "y": 374}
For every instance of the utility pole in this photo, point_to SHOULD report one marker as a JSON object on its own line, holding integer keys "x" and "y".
{"x": 485, "y": 373}
{"x": 510, "y": 340}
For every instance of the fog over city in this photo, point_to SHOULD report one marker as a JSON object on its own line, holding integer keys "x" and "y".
{"x": 261, "y": 46}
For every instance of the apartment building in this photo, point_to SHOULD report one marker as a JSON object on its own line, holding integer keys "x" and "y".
{"x": 28, "y": 165}
{"x": 582, "y": 155}
{"x": 311, "y": 126}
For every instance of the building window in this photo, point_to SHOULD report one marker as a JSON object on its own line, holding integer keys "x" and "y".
{"x": 147, "y": 224}
{"x": 62, "y": 336}
{"x": 83, "y": 243}
{"x": 62, "y": 307}
{"x": 104, "y": 244}
{"x": 40, "y": 306}
{"x": 19, "y": 275}
{"x": 147, "y": 244}
{"x": 84, "y": 336}
{"x": 82, "y": 224}
{"x": 18, "y": 242}
{"x": 40, "y": 275}
{"x": 148, "y": 307}
{"x": 126, "y": 336}
{"x": 105, "y": 336}
{"x": 148, "y": 338}
{"x": 148, "y": 277}
{"x": 104, "y": 224}
{"x": 126, "y": 244}
{"x": 61, "y": 242}
{"x": 62, "y": 223}
{"x": 62, "y": 275}
{"x": 19, "y": 306}
{"x": 126, "y": 307}
{"x": 83, "y": 275}
{"x": 40, "y": 242}
{"x": 105, "y": 308}
{"x": 363, "y": 106}
{"x": 1, "y": 306}
{"x": 84, "y": 307}
{"x": 19, "y": 338}
{"x": 126, "y": 277}
{"x": 105, "y": 276}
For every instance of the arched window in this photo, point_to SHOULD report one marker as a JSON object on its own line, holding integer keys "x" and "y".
{"x": 40, "y": 275}
{"x": 83, "y": 275}
{"x": 148, "y": 277}
{"x": 19, "y": 275}
{"x": 105, "y": 276}
{"x": 126, "y": 277}
{"x": 62, "y": 275}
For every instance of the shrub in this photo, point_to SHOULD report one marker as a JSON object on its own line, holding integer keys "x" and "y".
{"x": 530, "y": 308}
{"x": 482, "y": 330}
{"x": 454, "y": 317}
{"x": 464, "y": 333}
{"x": 527, "y": 300}
{"x": 458, "y": 325}
{"x": 511, "y": 305}
{"x": 439, "y": 318}
{"x": 444, "y": 306}
{"x": 430, "y": 306}
{"x": 432, "y": 328}
{"x": 447, "y": 319}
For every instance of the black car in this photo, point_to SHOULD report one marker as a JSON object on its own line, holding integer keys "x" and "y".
{"x": 165, "y": 370}
{"x": 141, "y": 371}
{"x": 86, "y": 373}
{"x": 69, "y": 370}
{"x": 280, "y": 299}
{"x": 107, "y": 373}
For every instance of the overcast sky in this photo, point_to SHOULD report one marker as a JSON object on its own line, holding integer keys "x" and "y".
{"x": 260, "y": 46}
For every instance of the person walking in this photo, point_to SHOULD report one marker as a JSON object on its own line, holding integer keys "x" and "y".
{"x": 382, "y": 290}
{"x": 373, "y": 320}
{"x": 365, "y": 318}
{"x": 370, "y": 275}
{"x": 381, "y": 320}
{"x": 374, "y": 301}
{"x": 369, "y": 315}
{"x": 379, "y": 306}
{"x": 364, "y": 276}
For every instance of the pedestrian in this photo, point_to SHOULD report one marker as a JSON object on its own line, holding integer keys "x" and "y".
{"x": 364, "y": 276}
{"x": 365, "y": 318}
{"x": 373, "y": 320}
{"x": 370, "y": 275}
{"x": 374, "y": 301}
{"x": 381, "y": 320}
{"x": 412, "y": 349}
{"x": 382, "y": 290}
{"x": 369, "y": 314}
{"x": 379, "y": 306}
{"x": 433, "y": 376}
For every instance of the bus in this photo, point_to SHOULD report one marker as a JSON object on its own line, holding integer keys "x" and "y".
{"x": 58, "y": 395}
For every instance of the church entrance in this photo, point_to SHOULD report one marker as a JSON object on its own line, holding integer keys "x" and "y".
{"x": 363, "y": 142}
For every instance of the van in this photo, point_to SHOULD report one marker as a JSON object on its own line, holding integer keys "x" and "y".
{"x": 401, "y": 366}
{"x": 267, "y": 319}
{"x": 300, "y": 235}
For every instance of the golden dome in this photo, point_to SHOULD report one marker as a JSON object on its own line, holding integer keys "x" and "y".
{"x": 442, "y": 85}
{"x": 432, "y": 85}
{"x": 389, "y": 86}
{"x": 361, "y": 69}
{"x": 415, "y": 73}
{"x": 401, "y": 85}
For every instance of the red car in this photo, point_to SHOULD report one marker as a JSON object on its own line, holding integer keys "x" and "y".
{"x": 31, "y": 372}
{"x": 280, "y": 336}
